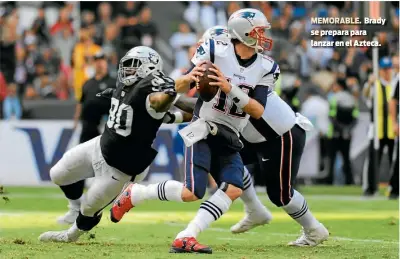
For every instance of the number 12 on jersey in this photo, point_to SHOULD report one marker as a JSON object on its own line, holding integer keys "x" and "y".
{"x": 120, "y": 118}
{"x": 234, "y": 111}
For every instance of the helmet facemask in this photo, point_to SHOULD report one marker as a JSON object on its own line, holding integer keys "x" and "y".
{"x": 129, "y": 70}
{"x": 263, "y": 43}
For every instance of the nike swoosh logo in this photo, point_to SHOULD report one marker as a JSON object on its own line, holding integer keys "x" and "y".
{"x": 264, "y": 159}
{"x": 114, "y": 178}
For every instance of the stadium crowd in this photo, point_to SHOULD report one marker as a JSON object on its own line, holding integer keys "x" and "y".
{"x": 53, "y": 57}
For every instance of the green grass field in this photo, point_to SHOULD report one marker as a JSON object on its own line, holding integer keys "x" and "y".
{"x": 359, "y": 228}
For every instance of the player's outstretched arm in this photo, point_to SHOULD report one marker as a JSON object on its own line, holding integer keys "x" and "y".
{"x": 161, "y": 102}
{"x": 241, "y": 99}
{"x": 185, "y": 103}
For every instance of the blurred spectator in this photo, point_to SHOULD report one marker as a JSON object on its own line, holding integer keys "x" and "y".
{"x": 3, "y": 92}
{"x": 377, "y": 91}
{"x": 343, "y": 114}
{"x": 39, "y": 27}
{"x": 147, "y": 30}
{"x": 179, "y": 71}
{"x": 208, "y": 15}
{"x": 64, "y": 42}
{"x": 181, "y": 41}
{"x": 320, "y": 119}
{"x": 104, "y": 19}
{"x": 50, "y": 61}
{"x": 233, "y": 7}
{"x": 110, "y": 42}
{"x": 64, "y": 22}
{"x": 8, "y": 37}
{"x": 128, "y": 10}
{"x": 11, "y": 104}
{"x": 21, "y": 73}
{"x": 82, "y": 56}
{"x": 88, "y": 18}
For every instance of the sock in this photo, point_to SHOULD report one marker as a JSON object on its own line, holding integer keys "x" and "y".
{"x": 210, "y": 210}
{"x": 74, "y": 204}
{"x": 297, "y": 208}
{"x": 165, "y": 191}
{"x": 74, "y": 232}
{"x": 249, "y": 196}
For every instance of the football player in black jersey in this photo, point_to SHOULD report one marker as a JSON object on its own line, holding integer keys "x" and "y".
{"x": 124, "y": 151}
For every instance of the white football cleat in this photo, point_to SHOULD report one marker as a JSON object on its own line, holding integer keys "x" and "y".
{"x": 252, "y": 220}
{"x": 69, "y": 217}
{"x": 65, "y": 236}
{"x": 311, "y": 237}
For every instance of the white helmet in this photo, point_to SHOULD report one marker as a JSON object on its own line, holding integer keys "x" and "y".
{"x": 139, "y": 62}
{"x": 248, "y": 26}
{"x": 216, "y": 33}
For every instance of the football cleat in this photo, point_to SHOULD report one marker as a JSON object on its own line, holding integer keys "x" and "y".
{"x": 311, "y": 237}
{"x": 122, "y": 204}
{"x": 65, "y": 236}
{"x": 252, "y": 220}
{"x": 189, "y": 245}
{"x": 69, "y": 217}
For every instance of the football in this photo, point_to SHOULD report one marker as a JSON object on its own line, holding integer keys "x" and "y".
{"x": 205, "y": 90}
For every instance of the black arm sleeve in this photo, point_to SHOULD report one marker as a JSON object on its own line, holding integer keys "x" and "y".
{"x": 261, "y": 93}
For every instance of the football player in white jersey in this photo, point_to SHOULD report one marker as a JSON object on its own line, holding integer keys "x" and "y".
{"x": 244, "y": 77}
{"x": 279, "y": 156}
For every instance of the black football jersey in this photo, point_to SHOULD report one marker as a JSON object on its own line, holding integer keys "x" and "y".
{"x": 126, "y": 143}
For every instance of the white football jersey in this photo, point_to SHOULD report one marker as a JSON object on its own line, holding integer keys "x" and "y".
{"x": 221, "y": 109}
{"x": 277, "y": 119}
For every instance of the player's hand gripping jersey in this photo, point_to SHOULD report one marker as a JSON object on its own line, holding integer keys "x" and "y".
{"x": 132, "y": 124}
{"x": 256, "y": 78}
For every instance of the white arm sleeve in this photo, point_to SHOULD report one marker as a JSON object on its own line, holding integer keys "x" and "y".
{"x": 152, "y": 112}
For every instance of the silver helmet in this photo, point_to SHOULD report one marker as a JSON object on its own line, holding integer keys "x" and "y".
{"x": 139, "y": 62}
{"x": 248, "y": 26}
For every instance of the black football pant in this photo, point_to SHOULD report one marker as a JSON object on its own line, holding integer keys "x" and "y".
{"x": 279, "y": 161}
{"x": 394, "y": 179}
{"x": 374, "y": 161}
{"x": 339, "y": 144}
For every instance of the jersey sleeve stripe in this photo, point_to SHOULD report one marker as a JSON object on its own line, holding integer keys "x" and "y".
{"x": 212, "y": 50}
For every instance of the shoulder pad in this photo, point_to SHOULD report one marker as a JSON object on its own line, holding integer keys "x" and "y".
{"x": 220, "y": 47}
{"x": 270, "y": 66}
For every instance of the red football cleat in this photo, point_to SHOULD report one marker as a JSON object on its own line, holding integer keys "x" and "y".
{"x": 122, "y": 205}
{"x": 189, "y": 245}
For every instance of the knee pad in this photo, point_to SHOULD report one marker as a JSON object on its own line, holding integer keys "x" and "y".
{"x": 73, "y": 191}
{"x": 86, "y": 223}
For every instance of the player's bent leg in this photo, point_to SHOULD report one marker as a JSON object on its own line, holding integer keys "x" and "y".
{"x": 103, "y": 191}
{"x": 256, "y": 214}
{"x": 68, "y": 173}
{"x": 170, "y": 190}
{"x": 282, "y": 194}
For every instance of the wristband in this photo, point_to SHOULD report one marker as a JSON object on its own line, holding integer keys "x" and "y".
{"x": 178, "y": 117}
{"x": 240, "y": 98}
